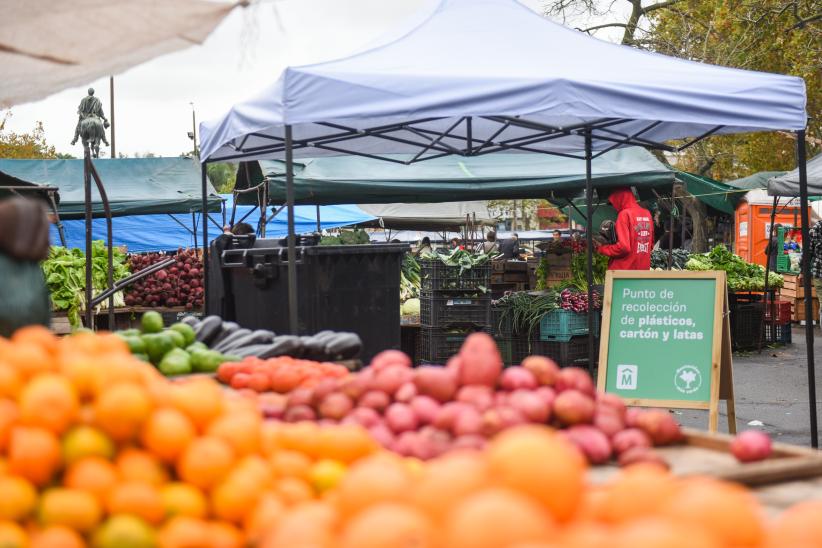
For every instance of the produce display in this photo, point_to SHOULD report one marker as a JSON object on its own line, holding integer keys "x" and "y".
{"x": 65, "y": 273}
{"x": 523, "y": 310}
{"x": 427, "y": 411}
{"x": 578, "y": 302}
{"x": 179, "y": 285}
{"x": 742, "y": 276}
{"x": 409, "y": 278}
{"x": 679, "y": 258}
{"x": 461, "y": 258}
{"x": 347, "y": 237}
{"x": 281, "y": 374}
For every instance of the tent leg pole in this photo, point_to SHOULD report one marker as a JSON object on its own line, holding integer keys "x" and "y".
{"x": 109, "y": 242}
{"x": 206, "y": 266}
{"x": 319, "y": 225}
{"x": 806, "y": 281}
{"x": 765, "y": 299}
{"x": 194, "y": 227}
{"x": 589, "y": 248}
{"x": 87, "y": 191}
{"x": 292, "y": 251}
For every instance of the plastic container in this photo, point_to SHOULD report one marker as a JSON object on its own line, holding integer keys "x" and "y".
{"x": 447, "y": 310}
{"x": 777, "y": 333}
{"x": 436, "y": 276}
{"x": 746, "y": 325}
{"x": 560, "y": 325}
{"x": 781, "y": 311}
{"x": 438, "y": 344}
{"x": 341, "y": 288}
{"x": 573, "y": 352}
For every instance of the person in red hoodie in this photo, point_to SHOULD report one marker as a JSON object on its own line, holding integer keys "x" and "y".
{"x": 634, "y": 233}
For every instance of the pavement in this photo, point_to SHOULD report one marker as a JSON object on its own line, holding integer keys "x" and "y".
{"x": 772, "y": 388}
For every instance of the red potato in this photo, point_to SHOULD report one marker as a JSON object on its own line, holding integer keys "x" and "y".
{"x": 364, "y": 416}
{"x": 447, "y": 414}
{"x": 375, "y": 399}
{"x": 612, "y": 401}
{"x": 544, "y": 369}
{"x": 573, "y": 407}
{"x": 468, "y": 421}
{"x": 751, "y": 446}
{"x": 514, "y": 378}
{"x": 480, "y": 397}
{"x": 404, "y": 443}
{"x": 426, "y": 408}
{"x": 593, "y": 443}
{"x": 355, "y": 386}
{"x": 301, "y": 396}
{"x": 390, "y": 379}
{"x": 299, "y": 413}
{"x": 335, "y": 406}
{"x": 608, "y": 421}
{"x": 530, "y": 405}
{"x": 499, "y": 418}
{"x": 382, "y": 434}
{"x": 632, "y": 414}
{"x": 272, "y": 409}
{"x": 645, "y": 455}
{"x": 629, "y": 439}
{"x": 454, "y": 364}
{"x": 400, "y": 418}
{"x": 438, "y": 382}
{"x": 470, "y": 442}
{"x": 575, "y": 378}
{"x": 547, "y": 394}
{"x": 660, "y": 426}
{"x": 388, "y": 358}
{"x": 323, "y": 389}
{"x": 405, "y": 393}
{"x": 481, "y": 360}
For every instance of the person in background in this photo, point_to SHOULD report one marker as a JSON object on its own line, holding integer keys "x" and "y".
{"x": 490, "y": 244}
{"x": 773, "y": 249}
{"x": 557, "y": 236}
{"x": 510, "y": 247}
{"x": 455, "y": 244}
{"x": 814, "y": 248}
{"x": 242, "y": 229}
{"x": 634, "y": 234}
{"x": 424, "y": 247}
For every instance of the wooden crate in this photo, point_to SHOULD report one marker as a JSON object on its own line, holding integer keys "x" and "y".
{"x": 709, "y": 454}
{"x": 515, "y": 277}
{"x": 798, "y": 310}
{"x": 793, "y": 287}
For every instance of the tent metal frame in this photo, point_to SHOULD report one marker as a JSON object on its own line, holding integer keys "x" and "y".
{"x": 435, "y": 144}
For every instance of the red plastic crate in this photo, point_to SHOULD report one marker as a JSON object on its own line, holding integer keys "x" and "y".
{"x": 780, "y": 309}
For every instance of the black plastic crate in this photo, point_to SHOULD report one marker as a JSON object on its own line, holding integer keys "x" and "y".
{"x": 438, "y": 344}
{"x": 777, "y": 333}
{"x": 501, "y": 325}
{"x": 446, "y": 310}
{"x": 746, "y": 325}
{"x": 514, "y": 349}
{"x": 566, "y": 354}
{"x": 748, "y": 297}
{"x": 436, "y": 276}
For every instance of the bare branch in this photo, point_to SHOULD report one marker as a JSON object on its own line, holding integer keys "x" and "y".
{"x": 597, "y": 27}
{"x": 657, "y": 6}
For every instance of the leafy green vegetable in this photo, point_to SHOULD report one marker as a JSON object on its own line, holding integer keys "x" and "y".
{"x": 742, "y": 276}
{"x": 464, "y": 259}
{"x": 409, "y": 278}
{"x": 679, "y": 258}
{"x": 524, "y": 309}
{"x": 347, "y": 237}
{"x": 65, "y": 272}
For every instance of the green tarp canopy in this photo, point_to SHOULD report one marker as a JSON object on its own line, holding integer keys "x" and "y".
{"x": 354, "y": 179}
{"x": 135, "y": 186}
{"x": 757, "y": 180}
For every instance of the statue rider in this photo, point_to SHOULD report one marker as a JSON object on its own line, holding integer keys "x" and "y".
{"x": 90, "y": 105}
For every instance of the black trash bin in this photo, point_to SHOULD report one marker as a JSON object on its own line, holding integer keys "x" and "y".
{"x": 342, "y": 288}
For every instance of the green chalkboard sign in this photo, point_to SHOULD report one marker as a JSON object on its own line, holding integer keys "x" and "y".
{"x": 663, "y": 338}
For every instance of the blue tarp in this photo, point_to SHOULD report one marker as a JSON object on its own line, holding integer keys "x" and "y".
{"x": 141, "y": 233}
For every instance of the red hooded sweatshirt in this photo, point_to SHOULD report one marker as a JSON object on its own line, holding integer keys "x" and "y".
{"x": 634, "y": 233}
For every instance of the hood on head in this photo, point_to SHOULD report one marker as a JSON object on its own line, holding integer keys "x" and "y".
{"x": 622, "y": 198}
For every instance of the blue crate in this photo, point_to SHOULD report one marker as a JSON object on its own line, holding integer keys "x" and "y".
{"x": 560, "y": 325}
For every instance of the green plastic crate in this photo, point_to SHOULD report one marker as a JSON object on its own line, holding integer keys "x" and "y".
{"x": 560, "y": 325}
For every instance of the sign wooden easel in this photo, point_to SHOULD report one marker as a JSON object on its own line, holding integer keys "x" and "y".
{"x": 666, "y": 341}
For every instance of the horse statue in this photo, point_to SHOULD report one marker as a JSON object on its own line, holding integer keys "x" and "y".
{"x": 92, "y": 131}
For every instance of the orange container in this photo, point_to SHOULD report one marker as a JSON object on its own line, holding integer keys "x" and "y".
{"x": 753, "y": 219}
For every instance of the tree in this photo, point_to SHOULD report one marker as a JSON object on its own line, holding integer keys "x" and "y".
{"x": 223, "y": 176}
{"x": 24, "y": 145}
{"x": 525, "y": 211}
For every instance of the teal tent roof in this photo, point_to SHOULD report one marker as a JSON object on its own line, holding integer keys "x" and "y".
{"x": 135, "y": 186}
{"x": 354, "y": 179}
{"x": 715, "y": 194}
{"x": 757, "y": 180}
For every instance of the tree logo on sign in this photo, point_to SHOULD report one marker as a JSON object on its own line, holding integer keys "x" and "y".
{"x": 688, "y": 379}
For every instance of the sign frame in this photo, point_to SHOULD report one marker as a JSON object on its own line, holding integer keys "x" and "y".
{"x": 721, "y": 377}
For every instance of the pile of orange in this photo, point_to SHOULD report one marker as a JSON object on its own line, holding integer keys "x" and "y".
{"x": 97, "y": 449}
{"x": 281, "y": 374}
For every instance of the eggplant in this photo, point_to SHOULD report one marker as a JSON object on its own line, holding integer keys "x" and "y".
{"x": 208, "y": 329}
{"x": 252, "y": 350}
{"x": 190, "y": 320}
{"x": 229, "y": 340}
{"x": 343, "y": 346}
{"x": 284, "y": 345}
{"x": 313, "y": 347}
{"x": 226, "y": 329}
{"x": 260, "y": 336}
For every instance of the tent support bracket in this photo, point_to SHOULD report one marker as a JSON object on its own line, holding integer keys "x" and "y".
{"x": 206, "y": 266}
{"x": 589, "y": 248}
{"x": 292, "y": 251}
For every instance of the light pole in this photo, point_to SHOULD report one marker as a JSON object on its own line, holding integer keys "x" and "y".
{"x": 193, "y": 133}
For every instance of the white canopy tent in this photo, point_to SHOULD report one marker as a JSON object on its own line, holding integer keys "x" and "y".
{"x": 473, "y": 77}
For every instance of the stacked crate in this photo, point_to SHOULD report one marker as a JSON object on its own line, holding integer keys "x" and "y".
{"x": 793, "y": 291}
{"x": 454, "y": 302}
{"x": 777, "y": 322}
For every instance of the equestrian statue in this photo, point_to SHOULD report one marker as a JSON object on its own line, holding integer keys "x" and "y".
{"x": 91, "y": 124}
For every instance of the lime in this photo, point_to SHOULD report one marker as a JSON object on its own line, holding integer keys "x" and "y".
{"x": 151, "y": 322}
{"x": 186, "y": 330}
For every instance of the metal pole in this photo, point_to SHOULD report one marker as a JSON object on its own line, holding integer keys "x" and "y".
{"x": 671, "y": 232}
{"x": 109, "y": 240}
{"x": 194, "y": 227}
{"x": 111, "y": 113}
{"x": 87, "y": 191}
{"x": 292, "y": 251}
{"x": 589, "y": 251}
{"x": 204, "y": 190}
{"x": 806, "y": 281}
{"x": 319, "y": 225}
{"x": 194, "y": 130}
{"x": 767, "y": 275}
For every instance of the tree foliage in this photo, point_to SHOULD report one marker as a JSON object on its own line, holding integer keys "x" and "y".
{"x": 31, "y": 145}
{"x": 223, "y": 176}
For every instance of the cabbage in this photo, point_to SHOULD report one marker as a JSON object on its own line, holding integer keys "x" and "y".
{"x": 411, "y": 307}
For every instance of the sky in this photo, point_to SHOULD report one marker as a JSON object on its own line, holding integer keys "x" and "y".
{"x": 245, "y": 53}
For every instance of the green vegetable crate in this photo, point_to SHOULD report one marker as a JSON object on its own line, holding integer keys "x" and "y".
{"x": 437, "y": 276}
{"x": 561, "y": 325}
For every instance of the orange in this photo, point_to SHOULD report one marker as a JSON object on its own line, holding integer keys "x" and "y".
{"x": 167, "y": 433}
{"x": 224, "y": 535}
{"x": 231, "y": 499}
{"x": 57, "y": 536}
{"x": 86, "y": 441}
{"x": 17, "y": 498}
{"x": 345, "y": 443}
{"x": 205, "y": 462}
{"x": 11, "y": 382}
{"x": 326, "y": 474}
{"x": 122, "y": 531}
{"x": 290, "y": 464}
{"x": 586, "y": 534}
{"x": 378, "y": 478}
{"x": 94, "y": 475}
{"x": 49, "y": 401}
{"x": 241, "y": 430}
{"x": 448, "y": 479}
{"x": 255, "y": 469}
{"x": 263, "y": 517}
{"x": 200, "y": 399}
{"x": 136, "y": 465}
{"x": 388, "y": 525}
{"x": 182, "y": 499}
{"x": 799, "y": 525}
{"x": 303, "y": 437}
{"x": 638, "y": 491}
{"x": 517, "y": 459}
{"x": 497, "y": 517}
{"x": 38, "y": 335}
{"x": 121, "y": 410}
{"x": 8, "y": 419}
{"x": 183, "y": 532}
{"x": 71, "y": 508}
{"x": 85, "y": 373}
{"x": 137, "y": 499}
{"x": 28, "y": 359}
{"x": 293, "y": 490}
{"x": 34, "y": 453}
{"x": 12, "y": 535}
{"x": 726, "y": 510}
{"x": 270, "y": 432}
{"x": 661, "y": 533}
{"x": 308, "y": 524}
